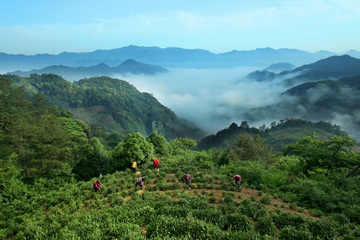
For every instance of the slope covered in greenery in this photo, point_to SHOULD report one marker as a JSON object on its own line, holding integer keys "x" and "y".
{"x": 111, "y": 104}
{"x": 279, "y": 200}
{"x": 276, "y": 136}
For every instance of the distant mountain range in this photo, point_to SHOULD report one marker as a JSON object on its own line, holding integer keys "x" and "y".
{"x": 330, "y": 68}
{"x": 327, "y": 90}
{"x": 165, "y": 57}
{"x": 75, "y": 73}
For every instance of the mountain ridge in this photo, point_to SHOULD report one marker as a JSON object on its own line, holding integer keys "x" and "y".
{"x": 129, "y": 66}
{"x": 333, "y": 67}
{"x": 165, "y": 57}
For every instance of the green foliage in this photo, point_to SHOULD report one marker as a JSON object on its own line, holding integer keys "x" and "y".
{"x": 161, "y": 145}
{"x": 39, "y": 134}
{"x": 165, "y": 226}
{"x": 135, "y": 149}
{"x": 113, "y": 139}
{"x": 114, "y": 104}
{"x": 325, "y": 229}
{"x": 250, "y": 148}
{"x": 11, "y": 186}
{"x": 327, "y": 154}
{"x": 95, "y": 162}
{"x": 294, "y": 233}
{"x": 183, "y": 144}
{"x": 265, "y": 226}
{"x": 284, "y": 219}
{"x": 266, "y": 200}
{"x": 41, "y": 199}
{"x": 239, "y": 222}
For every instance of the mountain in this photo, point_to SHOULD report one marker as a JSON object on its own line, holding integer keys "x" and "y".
{"x": 165, "y": 57}
{"x": 112, "y": 104}
{"x": 330, "y": 68}
{"x": 333, "y": 67}
{"x": 353, "y": 53}
{"x": 280, "y": 67}
{"x": 76, "y": 73}
{"x": 335, "y": 101}
{"x": 262, "y": 76}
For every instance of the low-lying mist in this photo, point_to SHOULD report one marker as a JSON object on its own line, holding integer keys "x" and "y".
{"x": 214, "y": 98}
{"x": 210, "y": 98}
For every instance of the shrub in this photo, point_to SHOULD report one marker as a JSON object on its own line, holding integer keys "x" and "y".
{"x": 126, "y": 231}
{"x": 265, "y": 226}
{"x": 265, "y": 200}
{"x": 239, "y": 222}
{"x": 231, "y": 235}
{"x": 285, "y": 219}
{"x": 250, "y": 209}
{"x": 294, "y": 233}
{"x": 324, "y": 229}
{"x": 212, "y": 200}
{"x": 173, "y": 211}
{"x": 229, "y": 200}
{"x": 165, "y": 226}
{"x": 316, "y": 212}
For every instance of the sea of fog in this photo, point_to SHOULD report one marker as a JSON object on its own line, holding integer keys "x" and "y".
{"x": 210, "y": 98}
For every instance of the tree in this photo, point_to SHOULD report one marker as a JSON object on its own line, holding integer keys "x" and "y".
{"x": 324, "y": 154}
{"x": 95, "y": 162}
{"x": 233, "y": 126}
{"x": 161, "y": 145}
{"x": 11, "y": 186}
{"x": 183, "y": 143}
{"x": 244, "y": 125}
{"x": 135, "y": 148}
{"x": 113, "y": 139}
{"x": 252, "y": 148}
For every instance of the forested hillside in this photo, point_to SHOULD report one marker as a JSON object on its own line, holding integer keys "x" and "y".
{"x": 276, "y": 135}
{"x": 108, "y": 103}
{"x": 49, "y": 162}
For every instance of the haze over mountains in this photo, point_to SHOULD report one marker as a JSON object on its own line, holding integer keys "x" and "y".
{"x": 165, "y": 57}
{"x": 76, "y": 73}
{"x": 328, "y": 89}
{"x": 214, "y": 90}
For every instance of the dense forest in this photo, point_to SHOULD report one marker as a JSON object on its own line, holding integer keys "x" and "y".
{"x": 49, "y": 160}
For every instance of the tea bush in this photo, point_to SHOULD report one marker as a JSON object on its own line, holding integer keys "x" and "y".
{"x": 295, "y": 233}
{"x": 265, "y": 226}
{"x": 164, "y": 226}
{"x": 284, "y": 219}
{"x": 239, "y": 222}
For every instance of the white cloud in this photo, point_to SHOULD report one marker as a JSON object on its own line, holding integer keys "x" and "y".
{"x": 211, "y": 98}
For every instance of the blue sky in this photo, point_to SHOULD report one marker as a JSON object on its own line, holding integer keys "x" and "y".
{"x": 55, "y": 26}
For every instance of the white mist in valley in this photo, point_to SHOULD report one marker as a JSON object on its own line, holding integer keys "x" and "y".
{"x": 210, "y": 98}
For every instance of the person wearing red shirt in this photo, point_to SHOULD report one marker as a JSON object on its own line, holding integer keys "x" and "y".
{"x": 155, "y": 163}
{"x": 237, "y": 179}
{"x": 97, "y": 185}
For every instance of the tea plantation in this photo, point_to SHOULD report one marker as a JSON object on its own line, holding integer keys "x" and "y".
{"x": 272, "y": 204}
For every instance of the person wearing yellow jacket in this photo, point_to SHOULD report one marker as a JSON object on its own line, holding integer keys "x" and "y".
{"x": 134, "y": 166}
